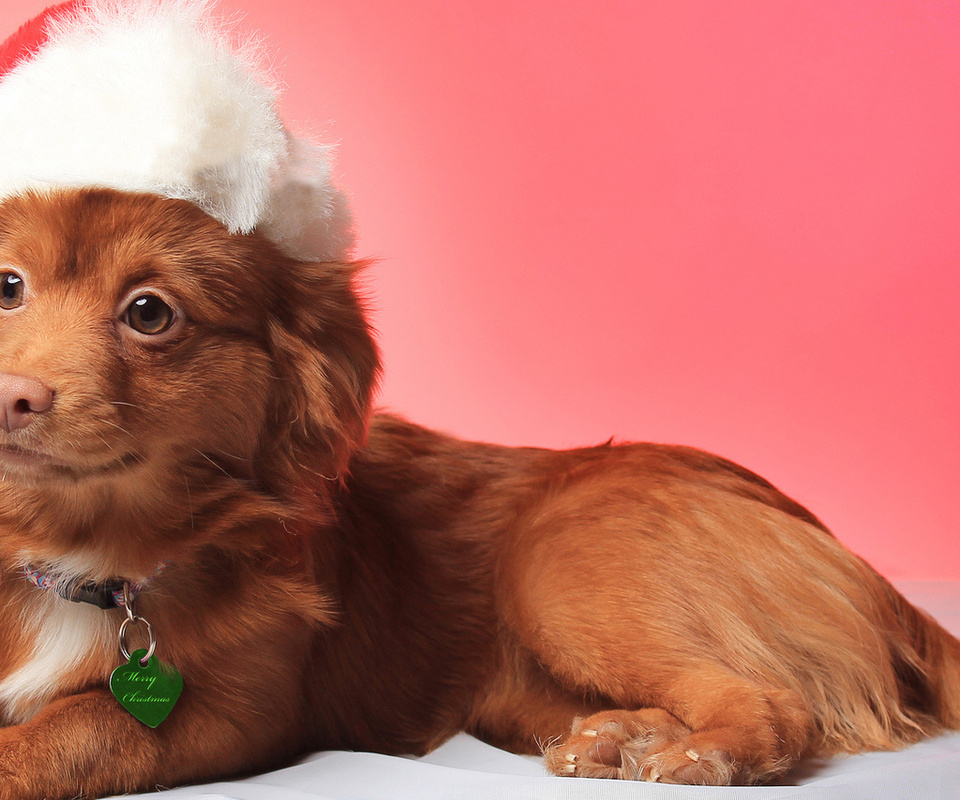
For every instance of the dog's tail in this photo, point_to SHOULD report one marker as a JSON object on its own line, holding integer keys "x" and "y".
{"x": 927, "y": 663}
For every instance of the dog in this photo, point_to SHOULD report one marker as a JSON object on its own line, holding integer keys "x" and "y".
{"x": 186, "y": 413}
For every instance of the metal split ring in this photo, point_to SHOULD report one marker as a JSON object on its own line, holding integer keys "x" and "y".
{"x": 127, "y": 600}
{"x": 123, "y": 644}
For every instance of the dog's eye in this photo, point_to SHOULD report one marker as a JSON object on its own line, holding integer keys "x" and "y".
{"x": 148, "y": 314}
{"x": 11, "y": 290}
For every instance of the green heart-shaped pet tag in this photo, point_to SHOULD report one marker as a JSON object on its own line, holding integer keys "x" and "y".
{"x": 148, "y": 692}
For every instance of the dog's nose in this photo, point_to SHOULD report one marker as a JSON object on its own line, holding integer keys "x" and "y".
{"x": 21, "y": 399}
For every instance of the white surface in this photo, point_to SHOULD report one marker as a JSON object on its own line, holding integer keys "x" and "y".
{"x": 466, "y": 769}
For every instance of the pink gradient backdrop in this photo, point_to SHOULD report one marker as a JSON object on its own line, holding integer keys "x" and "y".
{"x": 732, "y": 225}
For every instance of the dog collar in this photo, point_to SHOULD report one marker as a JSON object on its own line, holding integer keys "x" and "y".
{"x": 108, "y": 594}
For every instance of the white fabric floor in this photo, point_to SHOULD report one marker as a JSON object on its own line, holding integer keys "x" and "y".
{"x": 467, "y": 769}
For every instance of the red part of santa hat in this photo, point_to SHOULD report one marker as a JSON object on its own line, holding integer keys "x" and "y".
{"x": 154, "y": 96}
{"x": 30, "y": 36}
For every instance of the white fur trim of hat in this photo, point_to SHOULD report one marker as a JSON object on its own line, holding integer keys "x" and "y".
{"x": 152, "y": 96}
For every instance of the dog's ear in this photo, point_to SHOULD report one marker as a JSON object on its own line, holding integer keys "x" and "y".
{"x": 326, "y": 366}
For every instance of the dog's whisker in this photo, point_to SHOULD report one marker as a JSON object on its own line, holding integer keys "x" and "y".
{"x": 186, "y": 484}
{"x": 219, "y": 467}
{"x": 231, "y": 455}
{"x": 115, "y": 425}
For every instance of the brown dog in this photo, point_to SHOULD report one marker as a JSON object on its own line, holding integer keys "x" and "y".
{"x": 189, "y": 410}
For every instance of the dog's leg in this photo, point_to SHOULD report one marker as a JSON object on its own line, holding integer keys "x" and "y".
{"x": 88, "y": 745}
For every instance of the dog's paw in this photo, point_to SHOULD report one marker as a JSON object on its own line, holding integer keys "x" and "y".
{"x": 682, "y": 763}
{"x": 617, "y": 744}
{"x": 647, "y": 745}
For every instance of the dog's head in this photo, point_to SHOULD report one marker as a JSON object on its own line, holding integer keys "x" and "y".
{"x": 147, "y": 353}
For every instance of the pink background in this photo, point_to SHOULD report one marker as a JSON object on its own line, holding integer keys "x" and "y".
{"x": 732, "y": 225}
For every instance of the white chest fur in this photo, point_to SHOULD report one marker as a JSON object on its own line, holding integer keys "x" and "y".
{"x": 65, "y": 635}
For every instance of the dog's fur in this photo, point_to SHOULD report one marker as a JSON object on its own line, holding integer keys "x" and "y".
{"x": 333, "y": 581}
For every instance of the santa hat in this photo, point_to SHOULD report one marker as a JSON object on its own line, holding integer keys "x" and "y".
{"x": 152, "y": 96}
